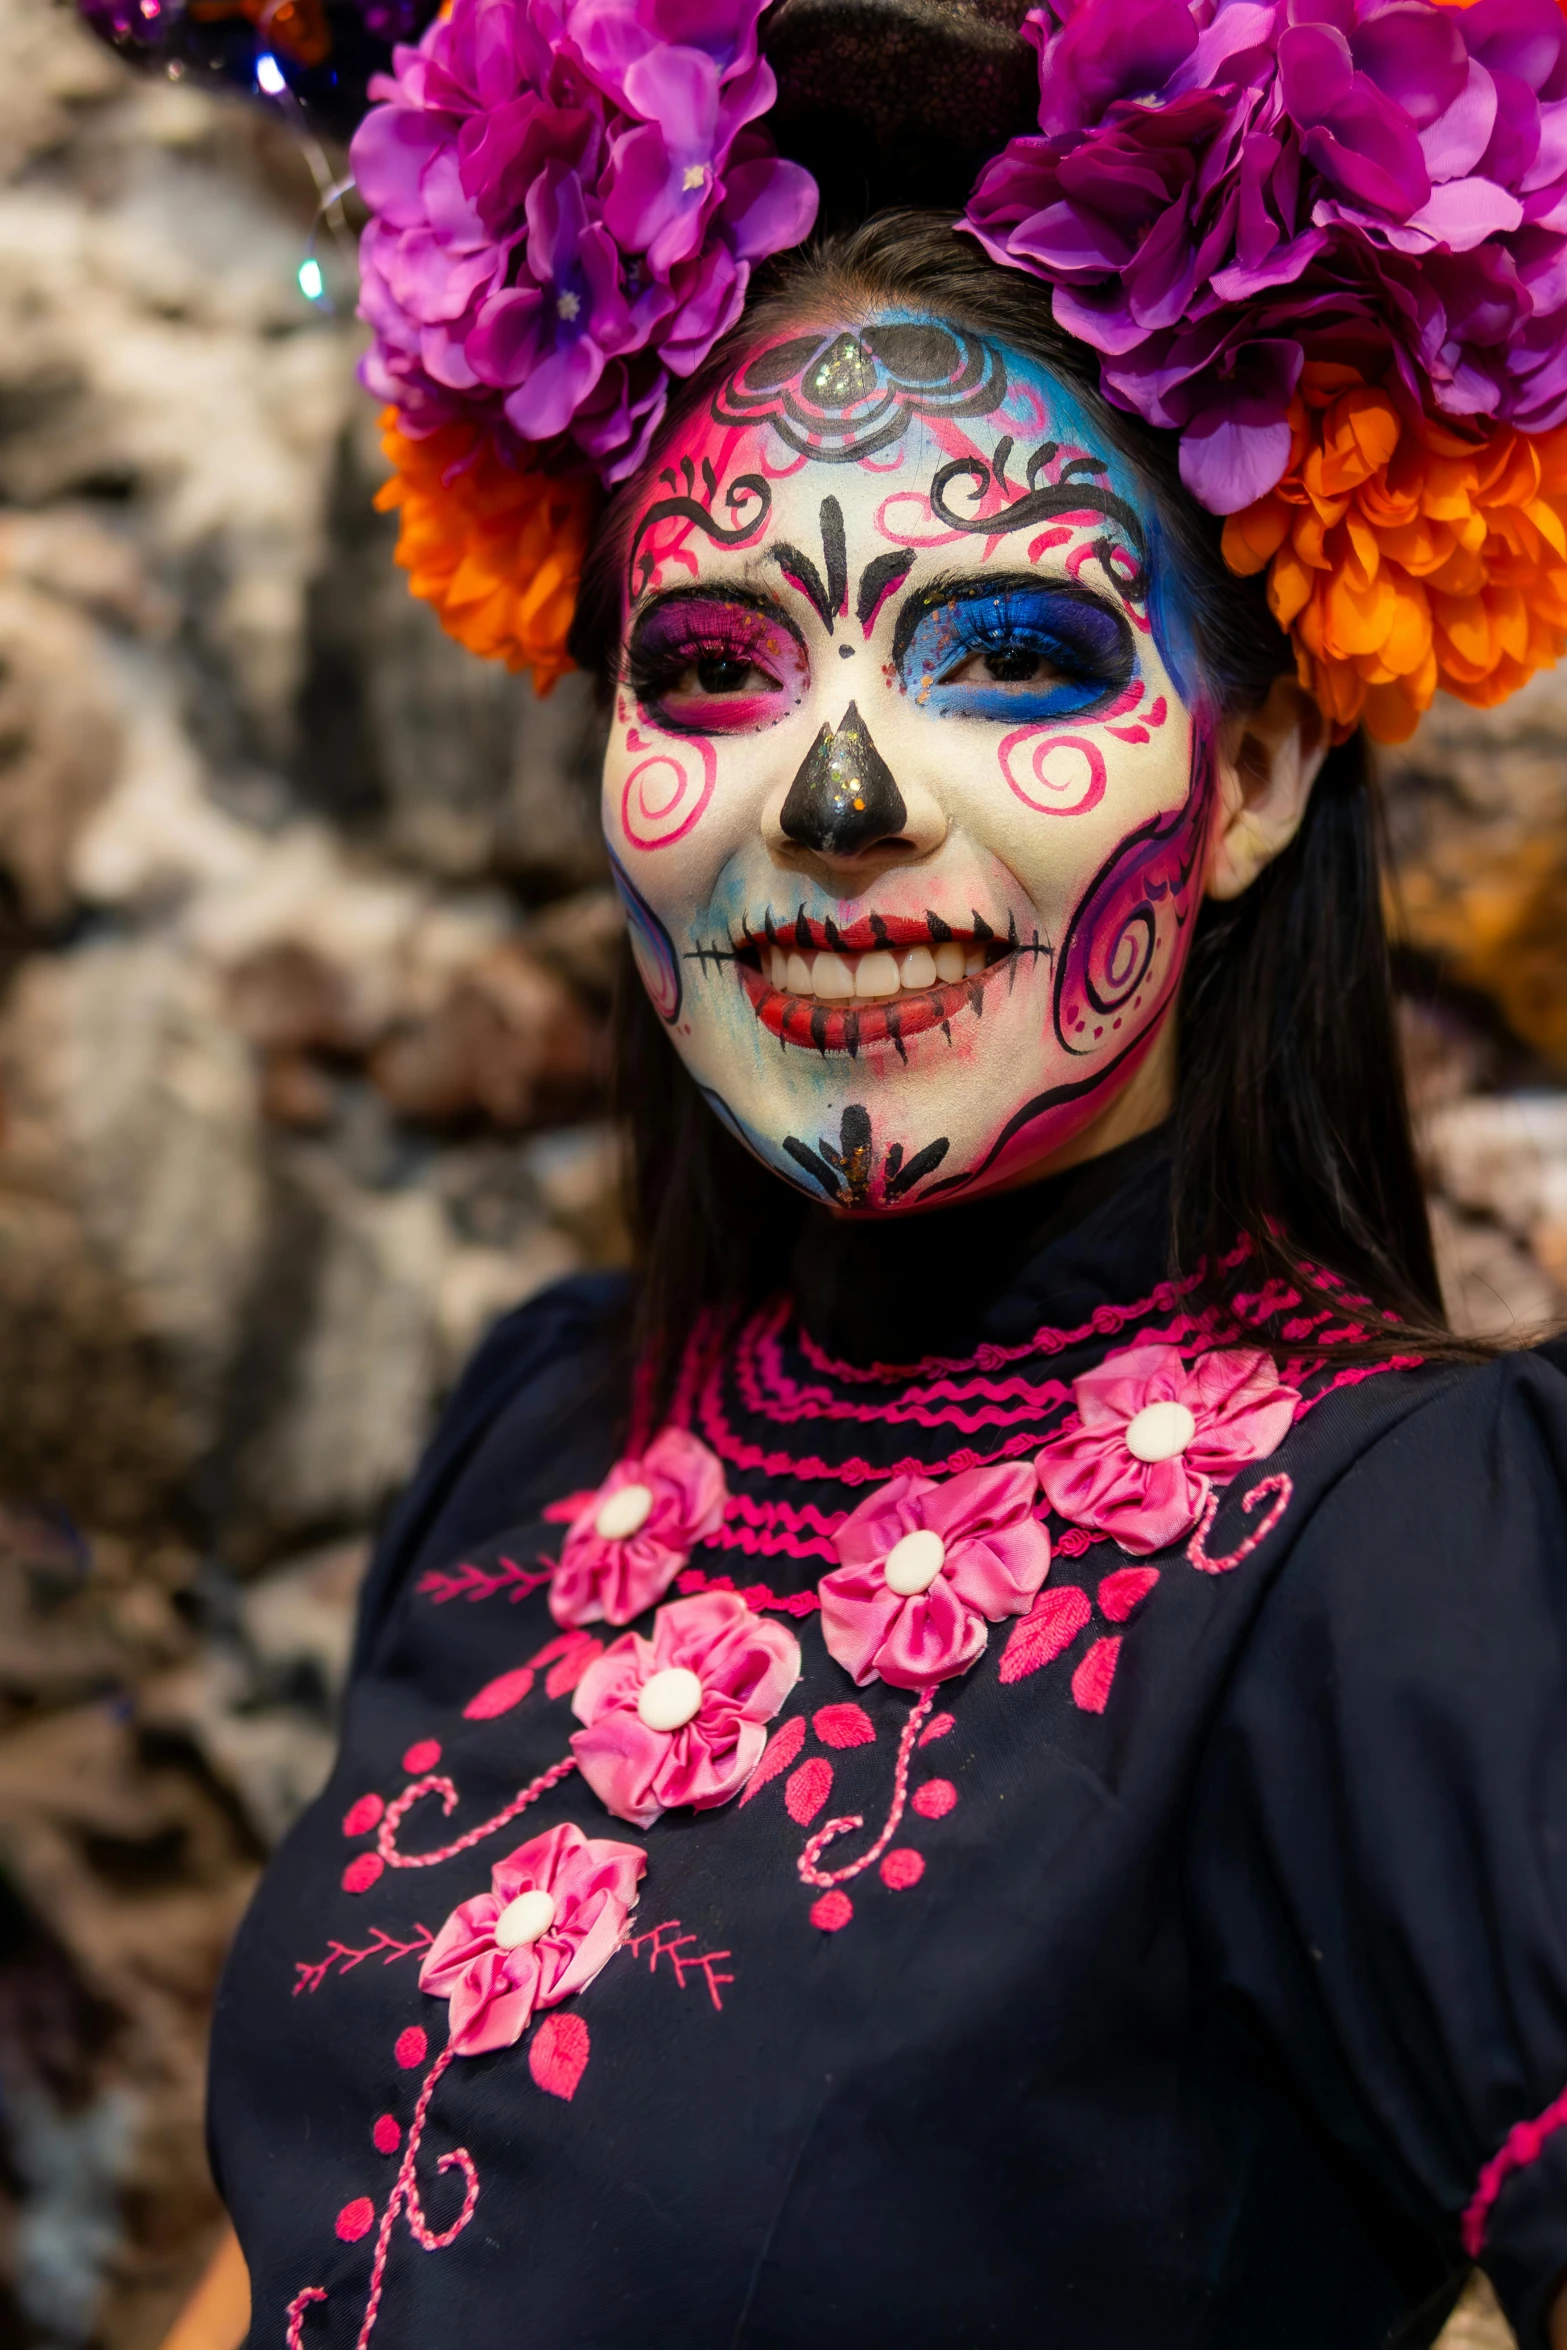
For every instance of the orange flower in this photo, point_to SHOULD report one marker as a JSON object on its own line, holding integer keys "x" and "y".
{"x": 1406, "y": 553}
{"x": 497, "y": 549}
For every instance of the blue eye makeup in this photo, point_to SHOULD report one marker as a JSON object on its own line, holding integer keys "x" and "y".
{"x": 1016, "y": 648}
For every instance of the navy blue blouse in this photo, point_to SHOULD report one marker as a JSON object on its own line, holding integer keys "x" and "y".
{"x": 1209, "y": 1984}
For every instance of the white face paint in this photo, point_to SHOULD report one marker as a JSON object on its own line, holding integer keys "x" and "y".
{"x": 906, "y": 804}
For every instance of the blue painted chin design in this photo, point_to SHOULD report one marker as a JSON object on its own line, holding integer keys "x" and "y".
{"x": 652, "y": 945}
{"x": 1017, "y": 650}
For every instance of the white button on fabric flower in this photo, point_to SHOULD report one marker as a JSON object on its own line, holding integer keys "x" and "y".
{"x": 623, "y": 1512}
{"x": 670, "y": 1699}
{"x": 914, "y": 1563}
{"x": 1160, "y": 1432}
{"x": 523, "y": 1921}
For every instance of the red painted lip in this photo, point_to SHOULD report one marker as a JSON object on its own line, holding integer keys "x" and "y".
{"x": 870, "y": 931}
{"x": 855, "y": 1028}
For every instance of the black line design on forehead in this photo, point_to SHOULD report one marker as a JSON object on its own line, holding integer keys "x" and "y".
{"x": 838, "y": 395}
{"x": 1069, "y": 493}
{"x": 750, "y": 491}
{"x": 830, "y": 596}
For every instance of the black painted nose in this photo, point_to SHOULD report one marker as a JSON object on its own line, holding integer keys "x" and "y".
{"x": 845, "y": 797}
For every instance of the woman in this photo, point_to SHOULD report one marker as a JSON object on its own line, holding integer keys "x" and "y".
{"x": 980, "y": 1751}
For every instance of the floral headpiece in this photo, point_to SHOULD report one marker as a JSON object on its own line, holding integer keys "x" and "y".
{"x": 1324, "y": 241}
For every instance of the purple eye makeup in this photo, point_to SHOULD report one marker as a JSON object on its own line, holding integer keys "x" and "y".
{"x": 706, "y": 663}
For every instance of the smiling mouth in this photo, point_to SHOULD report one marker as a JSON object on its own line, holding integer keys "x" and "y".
{"x": 873, "y": 983}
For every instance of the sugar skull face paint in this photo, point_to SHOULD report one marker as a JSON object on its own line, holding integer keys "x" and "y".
{"x": 906, "y": 795}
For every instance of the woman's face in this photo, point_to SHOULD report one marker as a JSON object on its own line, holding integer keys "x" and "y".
{"x": 906, "y": 792}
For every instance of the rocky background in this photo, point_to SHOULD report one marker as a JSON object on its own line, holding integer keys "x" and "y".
{"x": 304, "y": 963}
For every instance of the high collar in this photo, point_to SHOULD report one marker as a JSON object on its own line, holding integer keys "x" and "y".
{"x": 991, "y": 1270}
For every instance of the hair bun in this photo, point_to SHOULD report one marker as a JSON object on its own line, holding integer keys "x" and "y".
{"x": 954, "y": 70}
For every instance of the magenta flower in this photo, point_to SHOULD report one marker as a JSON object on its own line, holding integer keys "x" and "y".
{"x": 1223, "y": 189}
{"x": 1156, "y": 1434}
{"x": 926, "y": 1568}
{"x": 627, "y": 1546}
{"x": 681, "y": 1718}
{"x": 554, "y": 1915}
{"x": 566, "y": 206}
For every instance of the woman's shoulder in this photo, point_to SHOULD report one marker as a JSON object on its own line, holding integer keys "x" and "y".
{"x": 539, "y": 1393}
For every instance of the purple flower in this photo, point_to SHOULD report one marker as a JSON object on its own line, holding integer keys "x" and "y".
{"x": 1222, "y": 189}
{"x": 566, "y": 204}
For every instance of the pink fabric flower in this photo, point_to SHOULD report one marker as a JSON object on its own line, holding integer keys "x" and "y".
{"x": 680, "y": 1718}
{"x": 627, "y": 1546}
{"x": 926, "y": 1568}
{"x": 1156, "y": 1433}
{"x": 555, "y": 1913}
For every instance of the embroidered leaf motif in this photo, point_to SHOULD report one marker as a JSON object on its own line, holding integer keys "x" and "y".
{"x": 1125, "y": 1590}
{"x": 808, "y": 1789}
{"x": 779, "y": 1752}
{"x": 558, "y": 2055}
{"x": 572, "y": 1666}
{"x": 844, "y": 1725}
{"x": 1092, "y": 1681}
{"x": 499, "y": 1696}
{"x": 938, "y": 1728}
{"x": 1051, "y": 1624}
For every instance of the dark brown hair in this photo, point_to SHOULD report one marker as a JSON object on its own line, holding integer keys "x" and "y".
{"x": 1291, "y": 1125}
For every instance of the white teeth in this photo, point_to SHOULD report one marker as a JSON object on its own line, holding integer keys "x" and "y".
{"x": 873, "y": 976}
{"x": 876, "y": 975}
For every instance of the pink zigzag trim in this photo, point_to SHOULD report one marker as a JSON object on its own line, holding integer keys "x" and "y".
{"x": 1521, "y": 2146}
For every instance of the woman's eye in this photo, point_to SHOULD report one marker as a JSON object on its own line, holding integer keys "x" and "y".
{"x": 1006, "y": 665}
{"x": 722, "y": 673}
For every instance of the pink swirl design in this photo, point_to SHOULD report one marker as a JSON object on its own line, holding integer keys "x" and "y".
{"x": 661, "y": 799}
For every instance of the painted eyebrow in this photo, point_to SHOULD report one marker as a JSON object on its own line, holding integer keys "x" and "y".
{"x": 980, "y": 587}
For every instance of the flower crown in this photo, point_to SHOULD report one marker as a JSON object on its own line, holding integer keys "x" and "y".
{"x": 1323, "y": 241}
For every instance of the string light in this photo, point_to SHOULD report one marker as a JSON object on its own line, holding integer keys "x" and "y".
{"x": 269, "y": 75}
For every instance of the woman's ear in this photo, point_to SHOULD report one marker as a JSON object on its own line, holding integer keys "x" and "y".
{"x": 1267, "y": 764}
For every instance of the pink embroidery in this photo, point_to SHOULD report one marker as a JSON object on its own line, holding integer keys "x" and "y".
{"x": 810, "y": 1872}
{"x": 569, "y": 1506}
{"x": 356, "y": 2219}
{"x": 832, "y": 1912}
{"x": 743, "y": 1668}
{"x": 423, "y": 1755}
{"x": 558, "y": 2055}
{"x": 404, "y": 2197}
{"x": 362, "y": 1872}
{"x": 1051, "y": 1625}
{"x": 1076, "y": 1540}
{"x": 766, "y": 1389}
{"x": 499, "y": 1696}
{"x": 807, "y": 1789}
{"x": 563, "y": 1676}
{"x": 387, "y": 2135}
{"x": 756, "y": 1595}
{"x": 742, "y": 1454}
{"x": 342, "y": 1958}
{"x": 668, "y": 1941}
{"x": 1092, "y": 1681}
{"x": 411, "y": 2048}
{"x": 844, "y": 1725}
{"x": 902, "y": 1868}
{"x": 1518, "y": 2150}
{"x": 613, "y": 1575}
{"x": 493, "y": 1983}
{"x": 940, "y": 1726}
{"x": 1279, "y": 1485}
{"x": 386, "y": 1841}
{"x": 1124, "y": 1591}
{"x": 779, "y": 1752}
{"x": 935, "y": 1799}
{"x": 474, "y": 1583}
{"x": 1235, "y": 1410}
{"x": 361, "y": 1815}
{"x": 993, "y": 1555}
